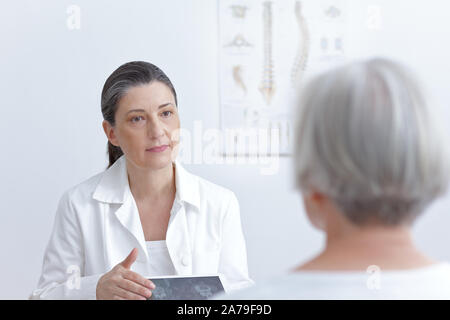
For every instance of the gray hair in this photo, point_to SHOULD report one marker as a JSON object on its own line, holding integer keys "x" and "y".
{"x": 367, "y": 139}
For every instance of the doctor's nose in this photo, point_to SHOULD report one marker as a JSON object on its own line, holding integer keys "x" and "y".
{"x": 155, "y": 129}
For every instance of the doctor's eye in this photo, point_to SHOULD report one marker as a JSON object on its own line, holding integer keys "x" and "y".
{"x": 166, "y": 114}
{"x": 136, "y": 119}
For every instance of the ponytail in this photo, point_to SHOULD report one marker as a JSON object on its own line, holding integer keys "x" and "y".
{"x": 114, "y": 153}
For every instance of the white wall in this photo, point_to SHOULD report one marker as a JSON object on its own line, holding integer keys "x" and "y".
{"x": 51, "y": 136}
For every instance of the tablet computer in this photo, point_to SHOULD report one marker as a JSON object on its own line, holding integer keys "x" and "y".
{"x": 185, "y": 287}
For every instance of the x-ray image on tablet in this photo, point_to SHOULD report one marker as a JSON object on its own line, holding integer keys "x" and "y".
{"x": 186, "y": 288}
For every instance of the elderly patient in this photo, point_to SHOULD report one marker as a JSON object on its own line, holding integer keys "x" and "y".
{"x": 369, "y": 159}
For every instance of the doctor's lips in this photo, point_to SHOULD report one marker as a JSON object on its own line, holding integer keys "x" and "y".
{"x": 160, "y": 148}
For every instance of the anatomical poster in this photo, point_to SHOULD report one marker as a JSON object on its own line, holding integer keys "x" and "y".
{"x": 265, "y": 50}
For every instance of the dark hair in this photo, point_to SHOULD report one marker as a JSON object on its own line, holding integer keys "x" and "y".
{"x": 128, "y": 75}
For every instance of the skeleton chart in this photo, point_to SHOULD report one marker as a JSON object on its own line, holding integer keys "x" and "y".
{"x": 265, "y": 50}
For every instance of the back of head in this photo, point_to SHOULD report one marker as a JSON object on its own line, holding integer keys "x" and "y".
{"x": 367, "y": 139}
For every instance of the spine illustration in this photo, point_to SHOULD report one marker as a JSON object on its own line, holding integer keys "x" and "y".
{"x": 267, "y": 87}
{"x": 301, "y": 58}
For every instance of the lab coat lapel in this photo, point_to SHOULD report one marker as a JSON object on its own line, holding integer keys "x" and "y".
{"x": 114, "y": 188}
{"x": 178, "y": 240}
{"x": 185, "y": 207}
{"x": 128, "y": 216}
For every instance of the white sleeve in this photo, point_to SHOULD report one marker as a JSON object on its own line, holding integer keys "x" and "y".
{"x": 233, "y": 256}
{"x": 63, "y": 271}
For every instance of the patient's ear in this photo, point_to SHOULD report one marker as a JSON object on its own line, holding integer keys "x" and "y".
{"x": 109, "y": 132}
{"x": 316, "y": 205}
{"x": 318, "y": 197}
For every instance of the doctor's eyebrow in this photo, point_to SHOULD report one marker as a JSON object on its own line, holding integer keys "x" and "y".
{"x": 142, "y": 110}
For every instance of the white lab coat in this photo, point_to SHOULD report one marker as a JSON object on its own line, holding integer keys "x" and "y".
{"x": 97, "y": 224}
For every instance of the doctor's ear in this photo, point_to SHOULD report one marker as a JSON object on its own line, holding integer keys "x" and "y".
{"x": 109, "y": 131}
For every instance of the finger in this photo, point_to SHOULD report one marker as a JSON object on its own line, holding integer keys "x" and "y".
{"x": 130, "y": 259}
{"x": 135, "y": 288}
{"x": 136, "y": 277}
{"x": 127, "y": 294}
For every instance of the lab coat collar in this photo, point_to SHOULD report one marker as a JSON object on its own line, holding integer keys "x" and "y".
{"x": 187, "y": 188}
{"x": 114, "y": 185}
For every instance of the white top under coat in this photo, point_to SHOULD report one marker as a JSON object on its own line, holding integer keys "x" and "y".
{"x": 160, "y": 263}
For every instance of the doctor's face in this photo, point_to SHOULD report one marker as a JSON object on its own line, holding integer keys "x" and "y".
{"x": 147, "y": 126}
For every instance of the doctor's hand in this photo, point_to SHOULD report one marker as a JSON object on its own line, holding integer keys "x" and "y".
{"x": 123, "y": 284}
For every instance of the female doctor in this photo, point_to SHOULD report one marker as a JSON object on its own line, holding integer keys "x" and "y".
{"x": 145, "y": 215}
